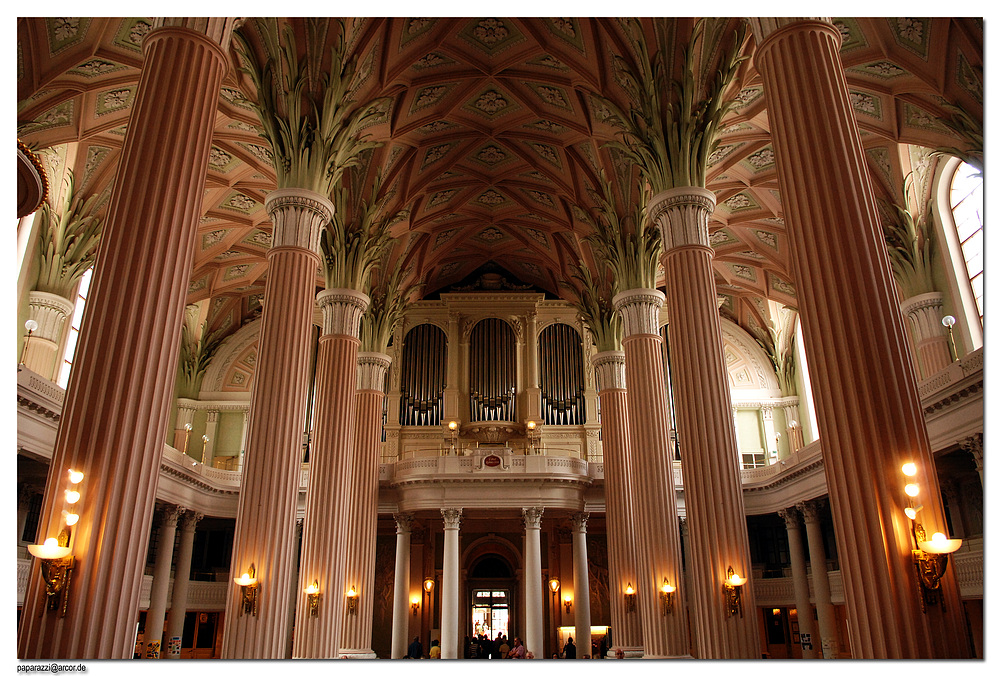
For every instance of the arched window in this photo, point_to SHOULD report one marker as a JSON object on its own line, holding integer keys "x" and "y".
{"x": 422, "y": 383}
{"x": 83, "y": 289}
{"x": 967, "y": 208}
{"x": 959, "y": 201}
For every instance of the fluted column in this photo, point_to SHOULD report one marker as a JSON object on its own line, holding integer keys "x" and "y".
{"x": 330, "y": 494}
{"x": 821, "y": 579}
{"x": 609, "y": 370}
{"x": 401, "y": 587}
{"x": 359, "y": 548}
{"x": 153, "y": 637}
{"x": 51, "y": 312}
{"x": 182, "y": 575}
{"x": 800, "y": 582}
{"x": 182, "y": 426}
{"x": 713, "y": 494}
{"x": 449, "y": 585}
{"x": 534, "y": 634}
{"x": 654, "y": 497}
{"x": 929, "y": 336}
{"x": 207, "y": 457}
{"x": 859, "y": 355}
{"x": 581, "y": 578}
{"x": 265, "y": 521}
{"x": 117, "y": 405}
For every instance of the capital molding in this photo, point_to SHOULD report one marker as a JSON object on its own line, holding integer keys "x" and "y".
{"x": 342, "y": 310}
{"x": 609, "y": 369}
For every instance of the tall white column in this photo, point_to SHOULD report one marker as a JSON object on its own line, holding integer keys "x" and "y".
{"x": 803, "y": 608}
{"x": 533, "y": 631}
{"x": 581, "y": 580}
{"x": 182, "y": 575}
{"x": 401, "y": 587}
{"x": 821, "y": 579}
{"x": 152, "y": 640}
{"x": 449, "y": 584}
{"x": 770, "y": 434}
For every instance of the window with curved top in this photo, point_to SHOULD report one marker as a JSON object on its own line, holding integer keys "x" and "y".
{"x": 959, "y": 206}
{"x": 967, "y": 208}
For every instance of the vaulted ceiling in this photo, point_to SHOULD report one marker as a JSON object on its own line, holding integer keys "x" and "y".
{"x": 492, "y": 144}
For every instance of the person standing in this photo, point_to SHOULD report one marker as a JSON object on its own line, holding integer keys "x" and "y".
{"x": 569, "y": 650}
{"x": 504, "y": 648}
{"x": 416, "y": 650}
{"x": 435, "y": 653}
{"x": 517, "y": 652}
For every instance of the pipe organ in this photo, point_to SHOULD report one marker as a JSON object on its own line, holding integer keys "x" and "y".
{"x": 492, "y": 371}
{"x": 560, "y": 360}
{"x": 423, "y": 376}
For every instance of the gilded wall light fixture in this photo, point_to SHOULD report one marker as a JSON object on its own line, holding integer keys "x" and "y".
{"x": 734, "y": 594}
{"x": 352, "y": 601}
{"x": 249, "y": 583}
{"x": 568, "y": 603}
{"x": 187, "y": 435}
{"x": 531, "y": 427}
{"x": 666, "y": 597}
{"x": 948, "y": 322}
{"x": 453, "y": 428}
{"x": 312, "y": 591}
{"x": 931, "y": 555}
{"x": 204, "y": 446}
{"x": 54, "y": 554}
{"x": 429, "y": 585}
{"x": 629, "y": 598}
{"x": 415, "y": 604}
{"x": 32, "y": 326}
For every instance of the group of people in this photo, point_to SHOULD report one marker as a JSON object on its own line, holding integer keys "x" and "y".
{"x": 481, "y": 647}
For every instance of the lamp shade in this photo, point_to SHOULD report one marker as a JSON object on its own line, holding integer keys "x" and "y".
{"x": 940, "y": 544}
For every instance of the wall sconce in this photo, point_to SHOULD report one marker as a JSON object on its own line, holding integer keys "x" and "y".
{"x": 666, "y": 597}
{"x": 734, "y": 595}
{"x": 568, "y": 603}
{"x": 352, "y": 601}
{"x": 429, "y": 585}
{"x": 57, "y": 569}
{"x": 312, "y": 591}
{"x": 248, "y": 581}
{"x": 32, "y": 326}
{"x": 54, "y": 554}
{"x": 931, "y": 555}
{"x": 530, "y": 426}
{"x": 629, "y": 598}
{"x": 415, "y": 604}
{"x": 947, "y": 321}
{"x": 554, "y": 585}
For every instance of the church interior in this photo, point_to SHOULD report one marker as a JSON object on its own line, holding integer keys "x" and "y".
{"x": 345, "y": 338}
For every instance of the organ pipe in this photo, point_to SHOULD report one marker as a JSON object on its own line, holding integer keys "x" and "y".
{"x": 423, "y": 376}
{"x": 561, "y": 378}
{"x": 492, "y": 371}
